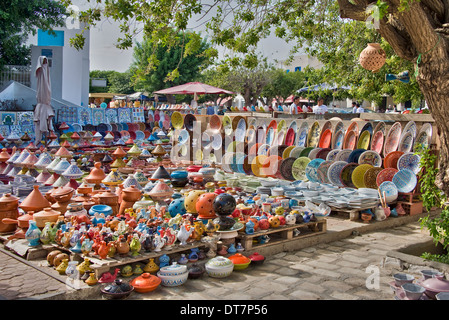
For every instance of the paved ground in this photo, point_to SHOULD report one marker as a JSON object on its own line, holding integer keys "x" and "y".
{"x": 351, "y": 268}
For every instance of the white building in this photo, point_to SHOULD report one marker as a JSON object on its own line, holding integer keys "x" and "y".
{"x": 299, "y": 63}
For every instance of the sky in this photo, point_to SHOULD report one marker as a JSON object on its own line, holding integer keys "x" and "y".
{"x": 104, "y": 55}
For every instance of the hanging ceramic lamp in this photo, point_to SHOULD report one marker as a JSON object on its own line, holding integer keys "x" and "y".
{"x": 373, "y": 57}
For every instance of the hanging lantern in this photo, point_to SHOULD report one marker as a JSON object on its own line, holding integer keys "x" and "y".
{"x": 372, "y": 57}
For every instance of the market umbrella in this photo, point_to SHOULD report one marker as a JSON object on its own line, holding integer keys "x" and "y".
{"x": 193, "y": 88}
{"x": 43, "y": 112}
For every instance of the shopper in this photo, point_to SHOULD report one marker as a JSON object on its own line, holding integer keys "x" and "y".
{"x": 320, "y": 108}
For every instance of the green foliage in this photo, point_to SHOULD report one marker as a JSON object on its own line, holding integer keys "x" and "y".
{"x": 283, "y": 84}
{"x": 116, "y": 82}
{"x": 157, "y": 66}
{"x": 438, "y": 227}
{"x": 18, "y": 19}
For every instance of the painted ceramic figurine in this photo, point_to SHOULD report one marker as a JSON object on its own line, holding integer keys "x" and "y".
{"x": 183, "y": 234}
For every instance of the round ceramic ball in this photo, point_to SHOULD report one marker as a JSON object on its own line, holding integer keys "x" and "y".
{"x": 177, "y": 206}
{"x": 224, "y": 204}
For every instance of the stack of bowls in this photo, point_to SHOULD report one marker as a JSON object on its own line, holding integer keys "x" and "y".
{"x": 173, "y": 275}
{"x": 219, "y": 267}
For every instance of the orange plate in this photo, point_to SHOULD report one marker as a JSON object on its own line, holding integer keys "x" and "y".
{"x": 391, "y": 160}
{"x": 326, "y": 138}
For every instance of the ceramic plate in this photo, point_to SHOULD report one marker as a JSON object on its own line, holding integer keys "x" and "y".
{"x": 392, "y": 139}
{"x": 313, "y": 135}
{"x": 270, "y": 136}
{"x": 189, "y": 120}
{"x": 322, "y": 154}
{"x": 339, "y": 126}
{"x": 140, "y": 135}
{"x": 337, "y": 140}
{"x": 367, "y": 127}
{"x": 405, "y": 180}
{"x": 390, "y": 190}
{"x": 354, "y": 156}
{"x": 406, "y": 143}
{"x": 177, "y": 120}
{"x": 226, "y": 161}
{"x": 364, "y": 140}
{"x": 409, "y": 161}
{"x": 353, "y": 127}
{"x": 410, "y": 127}
{"x": 271, "y": 165}
{"x": 358, "y": 175}
{"x": 273, "y": 124}
{"x": 326, "y": 126}
{"x": 217, "y": 141}
{"x": 333, "y": 174}
{"x": 301, "y": 137}
{"x": 183, "y": 136}
{"x": 370, "y": 157}
{"x": 386, "y": 174}
{"x": 280, "y": 137}
{"x": 236, "y": 120}
{"x": 391, "y": 160}
{"x": 350, "y": 140}
{"x": 286, "y": 168}
{"x": 263, "y": 149}
{"x": 332, "y": 154}
{"x": 370, "y": 177}
{"x": 295, "y": 153}
{"x": 256, "y": 165}
{"x": 346, "y": 175}
{"x": 380, "y": 126}
{"x": 299, "y": 168}
{"x": 287, "y": 151}
{"x": 312, "y": 154}
{"x": 325, "y": 140}
{"x": 377, "y": 143}
{"x": 227, "y": 125}
{"x": 281, "y": 125}
{"x": 277, "y": 150}
{"x": 77, "y": 127}
{"x": 421, "y": 139}
{"x": 312, "y": 170}
{"x": 322, "y": 171}
{"x": 290, "y": 137}
{"x": 293, "y": 125}
{"x": 305, "y": 152}
{"x": 343, "y": 155}
{"x": 251, "y": 136}
{"x": 214, "y": 122}
{"x": 240, "y": 130}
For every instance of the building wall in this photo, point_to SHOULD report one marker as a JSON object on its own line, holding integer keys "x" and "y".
{"x": 300, "y": 61}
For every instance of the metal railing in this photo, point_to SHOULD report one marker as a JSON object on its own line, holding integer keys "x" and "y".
{"x": 21, "y": 74}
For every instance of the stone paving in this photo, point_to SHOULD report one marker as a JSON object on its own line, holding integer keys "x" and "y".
{"x": 353, "y": 268}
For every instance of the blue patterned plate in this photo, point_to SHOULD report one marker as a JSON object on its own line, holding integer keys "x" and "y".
{"x": 390, "y": 189}
{"x": 140, "y": 135}
{"x": 409, "y": 161}
{"x": 312, "y": 169}
{"x": 405, "y": 180}
{"x": 332, "y": 154}
{"x": 301, "y": 137}
{"x": 338, "y": 139}
{"x": 333, "y": 173}
{"x": 343, "y": 155}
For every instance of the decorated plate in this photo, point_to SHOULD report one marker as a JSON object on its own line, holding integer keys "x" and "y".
{"x": 385, "y": 175}
{"x": 390, "y": 190}
{"x": 177, "y": 120}
{"x": 294, "y": 125}
{"x": 338, "y": 139}
{"x": 333, "y": 173}
{"x": 263, "y": 149}
{"x": 322, "y": 171}
{"x": 286, "y": 168}
{"x": 214, "y": 122}
{"x": 273, "y": 124}
{"x": 236, "y": 120}
{"x": 428, "y": 128}
{"x": 299, "y": 168}
{"x": 410, "y": 127}
{"x": 240, "y": 130}
{"x": 125, "y": 134}
{"x": 301, "y": 137}
{"x": 364, "y": 140}
{"x": 325, "y": 140}
{"x": 256, "y": 165}
{"x": 409, "y": 161}
{"x": 77, "y": 127}
{"x": 281, "y": 125}
{"x": 312, "y": 154}
{"x": 392, "y": 139}
{"x": 280, "y": 137}
{"x": 312, "y": 169}
{"x": 287, "y": 152}
{"x": 391, "y": 160}
{"x": 406, "y": 143}
{"x": 322, "y": 154}
{"x": 183, "y": 136}
{"x": 189, "y": 120}
{"x": 313, "y": 135}
{"x": 140, "y": 135}
{"x": 380, "y": 126}
{"x": 326, "y": 126}
{"x": 346, "y": 174}
{"x": 305, "y": 152}
{"x": 343, "y": 155}
{"x": 358, "y": 175}
{"x": 350, "y": 140}
{"x": 354, "y": 156}
{"x": 250, "y": 136}
{"x": 377, "y": 142}
{"x": 421, "y": 139}
{"x": 353, "y": 127}
{"x": 270, "y": 136}
{"x": 271, "y": 165}
{"x": 370, "y": 177}
{"x": 295, "y": 153}
{"x": 217, "y": 141}
{"x": 290, "y": 137}
{"x": 332, "y": 154}
{"x": 227, "y": 125}
{"x": 370, "y": 157}
{"x": 367, "y": 127}
{"x": 405, "y": 180}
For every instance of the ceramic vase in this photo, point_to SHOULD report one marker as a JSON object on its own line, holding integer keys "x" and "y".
{"x": 33, "y": 234}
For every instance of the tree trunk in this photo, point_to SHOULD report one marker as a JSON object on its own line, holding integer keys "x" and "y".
{"x": 419, "y": 32}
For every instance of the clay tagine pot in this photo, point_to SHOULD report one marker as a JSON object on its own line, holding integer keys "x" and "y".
{"x": 129, "y": 196}
{"x": 35, "y": 201}
{"x": 46, "y": 215}
{"x": 9, "y": 205}
{"x": 145, "y": 283}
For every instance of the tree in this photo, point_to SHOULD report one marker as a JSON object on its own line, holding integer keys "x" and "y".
{"x": 157, "y": 66}
{"x": 19, "y": 18}
{"x": 283, "y": 84}
{"x": 116, "y": 82}
{"x": 417, "y": 31}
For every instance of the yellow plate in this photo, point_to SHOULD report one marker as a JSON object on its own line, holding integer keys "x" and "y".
{"x": 287, "y": 151}
{"x": 358, "y": 175}
{"x": 256, "y": 165}
{"x": 364, "y": 140}
{"x": 281, "y": 125}
{"x": 177, "y": 120}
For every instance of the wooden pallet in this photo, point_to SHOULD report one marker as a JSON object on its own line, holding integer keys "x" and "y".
{"x": 282, "y": 234}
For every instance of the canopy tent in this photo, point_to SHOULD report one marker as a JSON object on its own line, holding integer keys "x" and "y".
{"x": 322, "y": 87}
{"x": 193, "y": 88}
{"x": 138, "y": 96}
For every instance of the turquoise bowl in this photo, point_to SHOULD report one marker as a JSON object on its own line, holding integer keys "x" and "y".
{"x": 100, "y": 208}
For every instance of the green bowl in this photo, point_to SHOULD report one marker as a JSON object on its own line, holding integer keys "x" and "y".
{"x": 241, "y": 266}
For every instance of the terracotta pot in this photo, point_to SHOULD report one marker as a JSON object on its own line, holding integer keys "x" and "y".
{"x": 131, "y": 194}
{"x": 145, "y": 283}
{"x": 46, "y": 215}
{"x": 21, "y": 221}
{"x": 63, "y": 194}
{"x": 35, "y": 201}
{"x": 8, "y": 210}
{"x": 372, "y": 57}
{"x": 96, "y": 174}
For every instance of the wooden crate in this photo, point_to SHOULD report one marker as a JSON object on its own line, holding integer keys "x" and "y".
{"x": 282, "y": 234}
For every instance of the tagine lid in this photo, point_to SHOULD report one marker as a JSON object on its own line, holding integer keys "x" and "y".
{"x": 62, "y": 191}
{"x": 239, "y": 258}
{"x": 8, "y": 198}
{"x": 35, "y": 199}
{"x": 256, "y": 257}
{"x": 47, "y": 212}
{"x": 4, "y": 155}
{"x": 145, "y": 281}
{"x": 63, "y": 152}
{"x": 437, "y": 284}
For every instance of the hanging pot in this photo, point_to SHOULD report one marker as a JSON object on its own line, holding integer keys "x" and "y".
{"x": 372, "y": 57}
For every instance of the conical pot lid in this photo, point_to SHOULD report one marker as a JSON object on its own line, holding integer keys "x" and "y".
{"x": 119, "y": 152}
{"x": 63, "y": 152}
{"x": 31, "y": 159}
{"x": 4, "y": 155}
{"x": 437, "y": 284}
{"x": 96, "y": 173}
{"x": 146, "y": 280}
{"x": 134, "y": 150}
{"x": 35, "y": 200}
{"x": 107, "y": 158}
{"x": 44, "y": 160}
{"x": 73, "y": 171}
{"x": 159, "y": 151}
{"x": 61, "y": 166}
{"x": 8, "y": 198}
{"x": 160, "y": 173}
{"x": 23, "y": 155}
{"x": 161, "y": 188}
{"x": 114, "y": 177}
